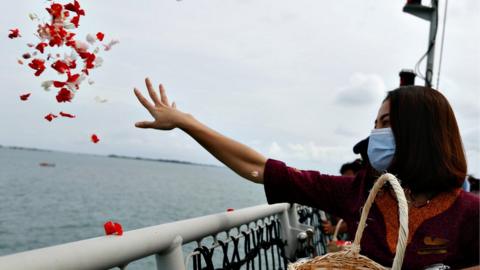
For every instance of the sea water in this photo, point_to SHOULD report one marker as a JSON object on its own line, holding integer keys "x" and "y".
{"x": 48, "y": 205}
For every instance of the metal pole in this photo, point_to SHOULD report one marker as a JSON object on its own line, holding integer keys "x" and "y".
{"x": 172, "y": 259}
{"x": 431, "y": 44}
{"x": 290, "y": 229}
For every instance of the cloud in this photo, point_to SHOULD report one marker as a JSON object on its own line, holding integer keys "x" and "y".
{"x": 346, "y": 132}
{"x": 363, "y": 89}
{"x": 309, "y": 151}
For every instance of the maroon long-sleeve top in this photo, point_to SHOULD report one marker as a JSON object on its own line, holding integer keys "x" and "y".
{"x": 444, "y": 231}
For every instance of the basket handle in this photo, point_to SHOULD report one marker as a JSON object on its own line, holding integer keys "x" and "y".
{"x": 337, "y": 228}
{"x": 403, "y": 216}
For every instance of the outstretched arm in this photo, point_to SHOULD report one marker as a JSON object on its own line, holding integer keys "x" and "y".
{"x": 243, "y": 160}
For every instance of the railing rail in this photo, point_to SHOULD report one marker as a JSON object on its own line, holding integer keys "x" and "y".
{"x": 165, "y": 241}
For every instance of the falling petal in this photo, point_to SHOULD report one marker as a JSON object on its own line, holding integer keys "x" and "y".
{"x": 68, "y": 115}
{"x": 91, "y": 39}
{"x": 98, "y": 62}
{"x": 33, "y": 17}
{"x": 25, "y": 96}
{"x": 64, "y": 95}
{"x": 100, "y": 36}
{"x": 46, "y": 85}
{"x": 49, "y": 117}
{"x": 109, "y": 46}
{"x": 100, "y": 99}
{"x": 69, "y": 26}
{"x": 14, "y": 33}
{"x": 94, "y": 138}
{"x": 41, "y": 46}
{"x": 38, "y": 65}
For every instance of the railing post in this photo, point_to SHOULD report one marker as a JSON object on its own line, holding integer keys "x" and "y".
{"x": 291, "y": 227}
{"x": 172, "y": 258}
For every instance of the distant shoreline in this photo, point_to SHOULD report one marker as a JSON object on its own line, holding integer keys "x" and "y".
{"x": 174, "y": 161}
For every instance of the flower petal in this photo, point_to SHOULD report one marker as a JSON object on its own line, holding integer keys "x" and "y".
{"x": 100, "y": 36}
{"x": 68, "y": 115}
{"x": 49, "y": 117}
{"x": 14, "y": 33}
{"x": 94, "y": 138}
{"x": 25, "y": 96}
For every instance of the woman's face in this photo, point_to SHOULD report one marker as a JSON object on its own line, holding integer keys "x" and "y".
{"x": 383, "y": 116}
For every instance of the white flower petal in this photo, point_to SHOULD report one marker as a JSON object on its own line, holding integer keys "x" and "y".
{"x": 91, "y": 39}
{"x": 46, "y": 85}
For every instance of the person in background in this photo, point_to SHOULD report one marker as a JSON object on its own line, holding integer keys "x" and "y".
{"x": 474, "y": 184}
{"x": 415, "y": 137}
{"x": 351, "y": 168}
{"x": 466, "y": 184}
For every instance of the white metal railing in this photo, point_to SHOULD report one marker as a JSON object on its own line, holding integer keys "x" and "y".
{"x": 164, "y": 241}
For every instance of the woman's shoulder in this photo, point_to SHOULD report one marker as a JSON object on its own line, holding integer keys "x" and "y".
{"x": 469, "y": 202}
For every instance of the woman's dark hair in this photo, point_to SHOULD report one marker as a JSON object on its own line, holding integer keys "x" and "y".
{"x": 429, "y": 154}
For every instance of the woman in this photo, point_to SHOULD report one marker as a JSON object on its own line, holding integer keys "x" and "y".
{"x": 416, "y": 137}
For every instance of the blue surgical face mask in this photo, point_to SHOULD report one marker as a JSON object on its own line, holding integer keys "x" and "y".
{"x": 381, "y": 148}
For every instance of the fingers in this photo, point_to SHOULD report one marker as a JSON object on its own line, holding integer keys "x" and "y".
{"x": 152, "y": 93}
{"x": 144, "y": 124}
{"x": 163, "y": 95}
{"x": 149, "y": 106}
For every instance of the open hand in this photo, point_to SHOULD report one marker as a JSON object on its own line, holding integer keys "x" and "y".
{"x": 165, "y": 115}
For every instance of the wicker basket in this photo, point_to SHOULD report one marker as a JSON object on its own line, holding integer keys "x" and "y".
{"x": 350, "y": 257}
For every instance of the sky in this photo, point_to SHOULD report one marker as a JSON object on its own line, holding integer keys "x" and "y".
{"x": 300, "y": 81}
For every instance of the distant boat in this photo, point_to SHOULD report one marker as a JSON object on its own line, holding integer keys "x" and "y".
{"x": 46, "y": 164}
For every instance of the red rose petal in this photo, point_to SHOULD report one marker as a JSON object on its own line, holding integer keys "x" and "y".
{"x": 41, "y": 46}
{"x": 67, "y": 115}
{"x": 14, "y": 33}
{"x": 58, "y": 84}
{"x": 72, "y": 64}
{"x": 95, "y": 138}
{"x": 38, "y": 65}
{"x": 25, "y": 96}
{"x": 49, "y": 117}
{"x": 118, "y": 228}
{"x": 72, "y": 78}
{"x": 55, "y": 10}
{"x": 100, "y": 36}
{"x": 113, "y": 228}
{"x": 64, "y": 95}
{"x": 75, "y": 7}
{"x": 60, "y": 66}
{"x": 76, "y": 21}
{"x": 109, "y": 227}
